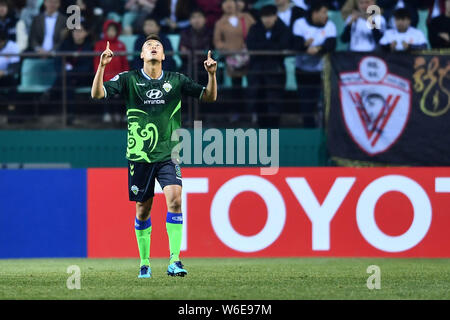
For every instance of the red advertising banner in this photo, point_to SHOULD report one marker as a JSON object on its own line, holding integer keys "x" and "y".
{"x": 305, "y": 212}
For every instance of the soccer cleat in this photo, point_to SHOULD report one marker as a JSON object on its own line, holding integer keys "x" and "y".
{"x": 176, "y": 269}
{"x": 145, "y": 272}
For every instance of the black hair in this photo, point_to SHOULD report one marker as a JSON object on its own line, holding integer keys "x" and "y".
{"x": 153, "y": 37}
{"x": 268, "y": 10}
{"x": 402, "y": 13}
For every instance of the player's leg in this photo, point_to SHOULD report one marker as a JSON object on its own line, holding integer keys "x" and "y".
{"x": 141, "y": 185}
{"x": 169, "y": 177}
{"x": 143, "y": 230}
{"x": 174, "y": 226}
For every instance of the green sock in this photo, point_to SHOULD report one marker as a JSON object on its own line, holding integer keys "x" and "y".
{"x": 143, "y": 231}
{"x": 174, "y": 226}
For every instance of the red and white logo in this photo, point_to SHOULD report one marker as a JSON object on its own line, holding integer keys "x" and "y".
{"x": 375, "y": 105}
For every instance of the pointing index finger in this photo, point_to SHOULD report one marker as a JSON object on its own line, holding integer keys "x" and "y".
{"x": 209, "y": 54}
{"x": 107, "y": 45}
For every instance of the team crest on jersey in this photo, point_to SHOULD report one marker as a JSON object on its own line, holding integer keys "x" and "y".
{"x": 375, "y": 105}
{"x": 167, "y": 87}
{"x": 141, "y": 140}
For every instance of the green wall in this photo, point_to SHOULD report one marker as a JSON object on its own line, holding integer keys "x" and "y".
{"x": 106, "y": 148}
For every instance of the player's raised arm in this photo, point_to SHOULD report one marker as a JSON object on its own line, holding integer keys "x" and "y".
{"x": 210, "y": 94}
{"x": 97, "y": 86}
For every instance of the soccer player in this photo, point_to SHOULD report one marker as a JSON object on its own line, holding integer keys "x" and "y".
{"x": 153, "y": 101}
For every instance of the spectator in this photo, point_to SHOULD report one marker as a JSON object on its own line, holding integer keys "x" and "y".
{"x": 78, "y": 69}
{"x": 288, "y": 12}
{"x": 197, "y": 37}
{"x": 361, "y": 38}
{"x": 48, "y": 29}
{"x": 28, "y": 13}
{"x": 212, "y": 10}
{"x": 173, "y": 15}
{"x": 21, "y": 36}
{"x": 230, "y": 33}
{"x": 92, "y": 22}
{"x": 439, "y": 29}
{"x": 7, "y": 21}
{"x": 111, "y": 32}
{"x": 151, "y": 26}
{"x": 267, "y": 73}
{"x": 404, "y": 37}
{"x": 315, "y": 35}
{"x": 138, "y": 11}
{"x": 9, "y": 67}
{"x": 389, "y": 7}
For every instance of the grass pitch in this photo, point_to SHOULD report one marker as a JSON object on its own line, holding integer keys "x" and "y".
{"x": 228, "y": 279}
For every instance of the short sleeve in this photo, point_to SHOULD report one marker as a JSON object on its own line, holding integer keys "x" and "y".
{"x": 330, "y": 30}
{"x": 191, "y": 88}
{"x": 420, "y": 38}
{"x": 115, "y": 85}
{"x": 298, "y": 27}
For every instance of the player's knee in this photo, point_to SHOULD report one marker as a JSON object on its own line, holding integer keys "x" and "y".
{"x": 143, "y": 210}
{"x": 174, "y": 204}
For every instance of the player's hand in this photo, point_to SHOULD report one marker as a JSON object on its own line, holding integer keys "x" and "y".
{"x": 405, "y": 45}
{"x": 106, "y": 56}
{"x": 309, "y": 42}
{"x": 210, "y": 64}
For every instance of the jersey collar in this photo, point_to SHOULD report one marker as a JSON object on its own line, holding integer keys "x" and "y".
{"x": 149, "y": 78}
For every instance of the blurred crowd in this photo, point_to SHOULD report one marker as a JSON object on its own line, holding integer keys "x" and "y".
{"x": 235, "y": 26}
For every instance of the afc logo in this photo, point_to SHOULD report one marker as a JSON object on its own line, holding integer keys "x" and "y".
{"x": 155, "y": 95}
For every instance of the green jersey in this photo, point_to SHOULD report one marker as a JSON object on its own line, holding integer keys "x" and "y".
{"x": 153, "y": 110}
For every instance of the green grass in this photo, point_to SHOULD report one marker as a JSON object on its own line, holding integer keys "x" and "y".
{"x": 225, "y": 279}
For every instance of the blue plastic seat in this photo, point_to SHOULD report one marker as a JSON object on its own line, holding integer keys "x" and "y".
{"x": 129, "y": 41}
{"x": 37, "y": 75}
{"x": 175, "y": 42}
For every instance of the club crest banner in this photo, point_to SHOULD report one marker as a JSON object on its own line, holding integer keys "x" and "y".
{"x": 389, "y": 108}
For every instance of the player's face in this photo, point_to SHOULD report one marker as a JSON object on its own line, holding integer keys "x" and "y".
{"x": 152, "y": 50}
